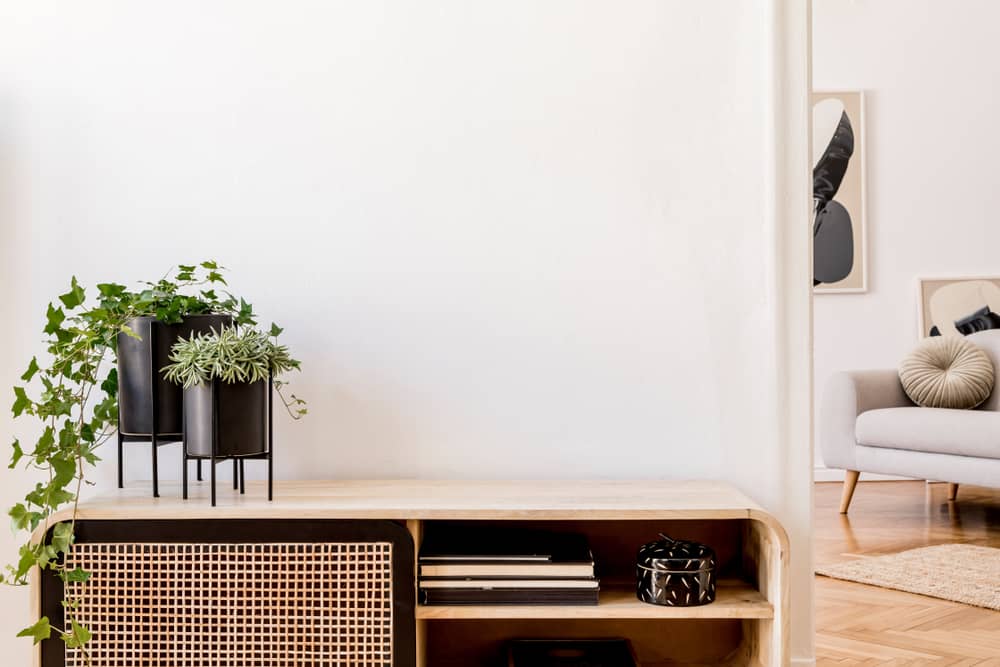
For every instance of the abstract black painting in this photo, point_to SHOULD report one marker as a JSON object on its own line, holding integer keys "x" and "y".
{"x": 839, "y": 261}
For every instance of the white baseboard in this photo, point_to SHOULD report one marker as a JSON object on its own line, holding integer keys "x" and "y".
{"x": 824, "y": 474}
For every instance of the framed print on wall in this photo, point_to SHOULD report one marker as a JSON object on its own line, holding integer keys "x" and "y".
{"x": 840, "y": 253}
{"x": 958, "y": 306}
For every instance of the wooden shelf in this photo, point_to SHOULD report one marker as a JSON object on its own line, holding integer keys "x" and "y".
{"x": 733, "y": 600}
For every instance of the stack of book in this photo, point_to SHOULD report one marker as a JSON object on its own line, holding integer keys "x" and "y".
{"x": 506, "y": 567}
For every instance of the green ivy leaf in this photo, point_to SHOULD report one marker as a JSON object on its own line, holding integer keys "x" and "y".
{"x": 36, "y": 496}
{"x": 111, "y": 290}
{"x": 77, "y": 576}
{"x": 64, "y": 468}
{"x": 245, "y": 314}
{"x": 44, "y": 445}
{"x": 90, "y": 457}
{"x": 54, "y": 319}
{"x": 209, "y": 264}
{"x": 19, "y": 519}
{"x": 50, "y": 497}
{"x": 87, "y": 433}
{"x": 216, "y": 277}
{"x": 275, "y": 330}
{"x": 68, "y": 436}
{"x": 60, "y": 497}
{"x": 77, "y": 636}
{"x": 32, "y": 369}
{"x": 96, "y": 315}
{"x": 21, "y": 402}
{"x": 110, "y": 384}
{"x": 27, "y": 560}
{"x": 18, "y": 454}
{"x": 39, "y": 631}
{"x": 62, "y": 536}
{"x": 74, "y": 297}
{"x": 104, "y": 412}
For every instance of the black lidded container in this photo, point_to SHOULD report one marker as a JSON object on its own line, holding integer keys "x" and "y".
{"x": 135, "y": 391}
{"x": 240, "y": 418}
{"x": 675, "y": 573}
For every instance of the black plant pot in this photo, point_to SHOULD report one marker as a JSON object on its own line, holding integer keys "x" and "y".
{"x": 136, "y": 360}
{"x": 150, "y": 407}
{"x": 225, "y": 420}
{"x": 234, "y": 416}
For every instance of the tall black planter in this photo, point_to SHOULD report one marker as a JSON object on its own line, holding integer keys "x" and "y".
{"x": 150, "y": 409}
{"x": 224, "y": 421}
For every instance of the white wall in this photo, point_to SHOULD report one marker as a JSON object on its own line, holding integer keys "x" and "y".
{"x": 928, "y": 69}
{"x": 510, "y": 239}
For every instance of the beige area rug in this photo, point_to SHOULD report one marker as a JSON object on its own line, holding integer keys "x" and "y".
{"x": 963, "y": 573}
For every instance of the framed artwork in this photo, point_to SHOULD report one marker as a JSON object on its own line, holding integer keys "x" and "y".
{"x": 840, "y": 253}
{"x": 958, "y": 306}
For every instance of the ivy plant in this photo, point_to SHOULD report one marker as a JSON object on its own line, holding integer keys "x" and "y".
{"x": 234, "y": 355}
{"x": 72, "y": 396}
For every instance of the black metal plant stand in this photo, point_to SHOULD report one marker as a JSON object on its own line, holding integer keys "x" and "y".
{"x": 239, "y": 471}
{"x": 171, "y": 438}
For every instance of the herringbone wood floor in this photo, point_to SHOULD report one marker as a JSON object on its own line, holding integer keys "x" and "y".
{"x": 865, "y": 625}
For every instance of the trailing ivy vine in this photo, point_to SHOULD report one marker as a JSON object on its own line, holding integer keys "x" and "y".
{"x": 72, "y": 394}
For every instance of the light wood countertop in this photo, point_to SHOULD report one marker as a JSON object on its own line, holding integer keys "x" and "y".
{"x": 434, "y": 499}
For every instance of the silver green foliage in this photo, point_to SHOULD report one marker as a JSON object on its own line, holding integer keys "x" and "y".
{"x": 230, "y": 355}
{"x": 233, "y": 355}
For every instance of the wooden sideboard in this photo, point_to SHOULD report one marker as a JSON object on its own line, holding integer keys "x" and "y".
{"x": 746, "y": 625}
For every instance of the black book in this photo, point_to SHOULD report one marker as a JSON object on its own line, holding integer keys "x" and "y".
{"x": 510, "y": 596}
{"x": 505, "y": 570}
{"x": 506, "y": 584}
{"x": 508, "y": 546}
{"x": 570, "y": 653}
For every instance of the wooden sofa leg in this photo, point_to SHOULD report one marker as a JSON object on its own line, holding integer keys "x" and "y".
{"x": 850, "y": 481}
{"x": 952, "y": 491}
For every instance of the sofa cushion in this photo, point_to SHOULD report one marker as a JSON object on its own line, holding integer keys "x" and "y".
{"x": 947, "y": 372}
{"x": 936, "y": 430}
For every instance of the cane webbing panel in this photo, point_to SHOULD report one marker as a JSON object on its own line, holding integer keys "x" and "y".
{"x": 223, "y": 605}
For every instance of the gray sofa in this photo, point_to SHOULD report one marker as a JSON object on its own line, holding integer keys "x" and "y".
{"x": 868, "y": 424}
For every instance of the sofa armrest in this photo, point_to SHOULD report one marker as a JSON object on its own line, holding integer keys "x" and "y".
{"x": 846, "y": 396}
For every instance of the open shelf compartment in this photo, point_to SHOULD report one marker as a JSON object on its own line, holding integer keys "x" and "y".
{"x": 736, "y": 629}
{"x": 679, "y": 642}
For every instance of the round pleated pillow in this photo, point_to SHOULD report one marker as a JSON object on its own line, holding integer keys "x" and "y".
{"x": 947, "y": 372}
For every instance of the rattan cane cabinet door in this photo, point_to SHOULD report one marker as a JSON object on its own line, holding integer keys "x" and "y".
{"x": 240, "y": 593}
